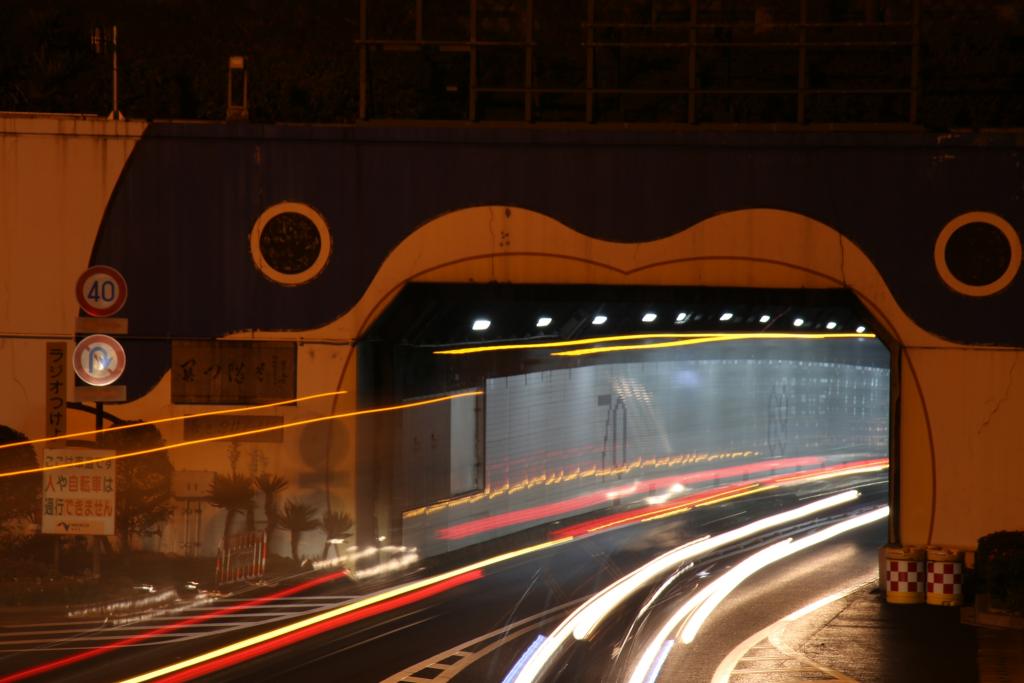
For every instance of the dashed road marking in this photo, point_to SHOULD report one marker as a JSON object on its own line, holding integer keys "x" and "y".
{"x": 765, "y": 656}
{"x": 41, "y": 637}
{"x": 453, "y": 661}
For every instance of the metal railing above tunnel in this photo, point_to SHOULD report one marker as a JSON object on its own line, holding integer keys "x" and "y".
{"x": 667, "y": 61}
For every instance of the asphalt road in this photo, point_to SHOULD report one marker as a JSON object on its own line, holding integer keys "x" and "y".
{"x": 476, "y": 630}
{"x": 775, "y": 592}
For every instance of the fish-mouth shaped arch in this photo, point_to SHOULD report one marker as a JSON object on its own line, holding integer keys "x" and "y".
{"x": 754, "y": 248}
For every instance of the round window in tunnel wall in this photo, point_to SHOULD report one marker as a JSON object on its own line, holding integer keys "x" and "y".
{"x": 978, "y": 253}
{"x": 290, "y": 243}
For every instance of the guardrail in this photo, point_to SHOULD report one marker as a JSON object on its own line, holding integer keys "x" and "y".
{"x": 242, "y": 557}
{"x": 692, "y": 46}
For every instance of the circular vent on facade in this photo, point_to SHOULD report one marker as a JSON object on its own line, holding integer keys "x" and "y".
{"x": 290, "y": 243}
{"x": 978, "y": 254}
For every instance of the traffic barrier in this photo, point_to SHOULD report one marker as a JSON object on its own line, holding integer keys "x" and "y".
{"x": 945, "y": 577}
{"x": 904, "y": 575}
{"x": 241, "y": 557}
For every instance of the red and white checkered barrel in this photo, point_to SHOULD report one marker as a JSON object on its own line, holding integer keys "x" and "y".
{"x": 945, "y": 577}
{"x": 904, "y": 575}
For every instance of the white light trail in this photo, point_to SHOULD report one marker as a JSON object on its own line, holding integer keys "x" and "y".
{"x": 725, "y": 668}
{"x": 582, "y": 622}
{"x": 692, "y": 615}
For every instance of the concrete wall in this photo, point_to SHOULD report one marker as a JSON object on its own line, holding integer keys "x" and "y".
{"x": 56, "y": 177}
{"x": 852, "y": 213}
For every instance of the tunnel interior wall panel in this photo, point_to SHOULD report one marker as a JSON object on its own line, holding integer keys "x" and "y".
{"x": 543, "y": 427}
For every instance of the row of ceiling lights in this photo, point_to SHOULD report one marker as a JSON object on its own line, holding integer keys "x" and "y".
{"x": 481, "y": 324}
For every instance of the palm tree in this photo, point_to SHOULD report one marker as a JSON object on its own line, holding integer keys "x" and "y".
{"x": 298, "y": 518}
{"x": 235, "y": 494}
{"x": 335, "y": 525}
{"x": 270, "y": 485}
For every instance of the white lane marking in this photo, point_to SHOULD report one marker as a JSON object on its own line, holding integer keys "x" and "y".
{"x": 42, "y": 624}
{"x": 294, "y": 598}
{"x": 382, "y": 635}
{"x": 683, "y": 625}
{"x": 89, "y": 642}
{"x": 144, "y": 622}
{"x": 773, "y": 633}
{"x": 166, "y": 640}
{"x": 582, "y": 622}
{"x": 467, "y": 655}
{"x": 399, "y": 617}
{"x": 453, "y": 578}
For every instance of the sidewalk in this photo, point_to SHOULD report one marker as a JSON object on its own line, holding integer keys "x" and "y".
{"x": 863, "y": 638}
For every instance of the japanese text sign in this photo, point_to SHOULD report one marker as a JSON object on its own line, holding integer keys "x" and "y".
{"x": 232, "y": 372}
{"x": 56, "y": 388}
{"x": 78, "y": 499}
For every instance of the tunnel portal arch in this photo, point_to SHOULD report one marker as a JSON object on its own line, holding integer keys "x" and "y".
{"x": 754, "y": 248}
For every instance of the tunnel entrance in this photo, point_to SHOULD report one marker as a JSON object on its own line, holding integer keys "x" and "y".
{"x": 575, "y": 398}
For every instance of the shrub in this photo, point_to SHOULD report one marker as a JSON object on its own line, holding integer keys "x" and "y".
{"x": 1000, "y": 569}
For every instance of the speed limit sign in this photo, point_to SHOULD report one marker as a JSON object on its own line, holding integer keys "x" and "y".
{"x": 101, "y": 291}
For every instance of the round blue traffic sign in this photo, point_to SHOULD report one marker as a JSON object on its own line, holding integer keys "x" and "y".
{"x": 99, "y": 360}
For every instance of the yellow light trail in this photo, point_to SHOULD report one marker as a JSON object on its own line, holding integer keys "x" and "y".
{"x": 571, "y": 342}
{"x": 248, "y": 432}
{"x": 758, "y": 488}
{"x": 732, "y": 336}
{"x": 338, "y": 611}
{"x": 867, "y": 469}
{"x": 711, "y": 500}
{"x": 562, "y": 475}
{"x": 164, "y": 420}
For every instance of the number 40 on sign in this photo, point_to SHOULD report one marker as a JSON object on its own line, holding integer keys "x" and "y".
{"x": 101, "y": 291}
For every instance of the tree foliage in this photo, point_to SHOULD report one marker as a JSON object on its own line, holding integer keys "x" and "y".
{"x": 234, "y": 494}
{"x": 144, "y": 498}
{"x": 271, "y": 485}
{"x": 298, "y": 518}
{"x": 336, "y": 525}
{"x": 20, "y": 497}
{"x": 304, "y": 61}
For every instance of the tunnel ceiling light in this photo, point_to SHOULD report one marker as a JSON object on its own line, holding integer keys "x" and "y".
{"x": 830, "y": 325}
{"x": 682, "y": 317}
{"x": 725, "y": 316}
{"x": 764, "y": 318}
{"x": 481, "y": 324}
{"x": 799, "y": 322}
{"x": 861, "y": 329}
{"x": 649, "y": 317}
{"x": 543, "y": 321}
{"x": 599, "y": 319}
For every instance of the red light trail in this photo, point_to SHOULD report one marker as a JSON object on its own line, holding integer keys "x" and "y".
{"x": 169, "y": 628}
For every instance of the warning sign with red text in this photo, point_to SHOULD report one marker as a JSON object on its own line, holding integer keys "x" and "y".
{"x": 79, "y": 498}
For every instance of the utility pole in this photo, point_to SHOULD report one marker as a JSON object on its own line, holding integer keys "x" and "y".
{"x": 100, "y": 43}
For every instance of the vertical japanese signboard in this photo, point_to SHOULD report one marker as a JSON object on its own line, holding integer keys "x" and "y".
{"x": 232, "y": 372}
{"x": 56, "y": 388}
{"x": 78, "y": 499}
